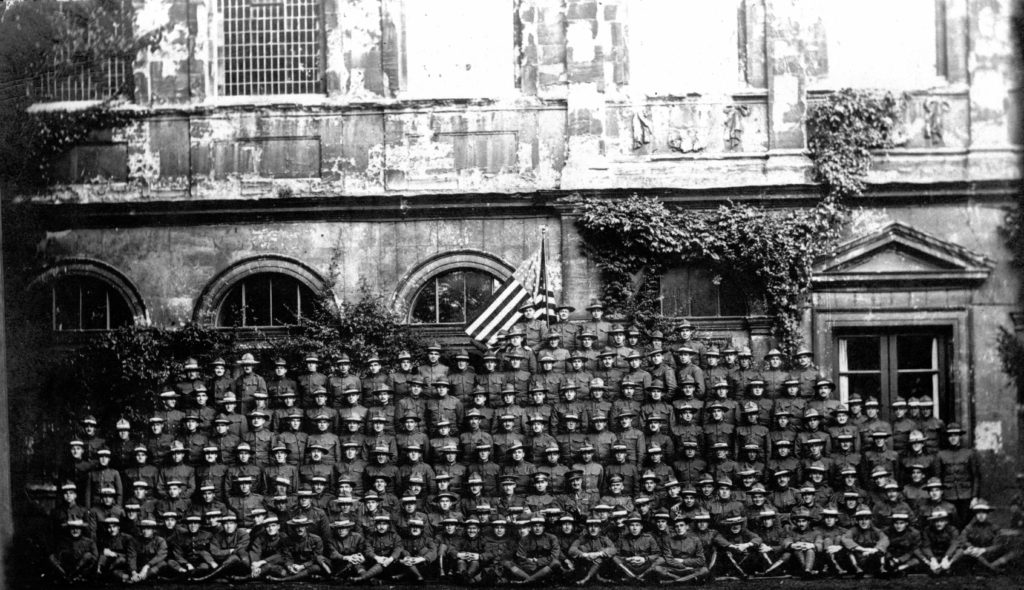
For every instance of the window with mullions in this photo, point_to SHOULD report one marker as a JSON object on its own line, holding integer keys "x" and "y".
{"x": 453, "y": 297}
{"x": 80, "y": 303}
{"x": 269, "y": 47}
{"x": 265, "y": 300}
{"x": 697, "y": 292}
{"x": 895, "y": 365}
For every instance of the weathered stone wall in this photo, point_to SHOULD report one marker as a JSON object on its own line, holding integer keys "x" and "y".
{"x": 573, "y": 118}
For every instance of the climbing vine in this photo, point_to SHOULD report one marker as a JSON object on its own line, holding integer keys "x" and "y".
{"x": 769, "y": 253}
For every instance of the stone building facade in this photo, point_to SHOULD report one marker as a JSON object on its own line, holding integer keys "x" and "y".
{"x": 419, "y": 146}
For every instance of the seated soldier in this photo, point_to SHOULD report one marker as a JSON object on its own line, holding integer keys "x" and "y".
{"x": 830, "y": 541}
{"x": 773, "y": 539}
{"x": 980, "y": 541}
{"x": 906, "y": 545}
{"x": 593, "y": 549}
{"x": 386, "y": 547}
{"x": 420, "y": 551}
{"x": 499, "y": 547}
{"x": 637, "y": 552}
{"x": 115, "y": 553}
{"x": 683, "y": 556}
{"x": 75, "y": 555}
{"x": 738, "y": 544}
{"x": 467, "y": 553}
{"x": 304, "y": 554}
{"x": 267, "y": 551}
{"x": 801, "y": 543}
{"x": 347, "y": 551}
{"x": 865, "y": 544}
{"x": 150, "y": 553}
{"x": 190, "y": 549}
{"x": 538, "y": 554}
{"x": 229, "y": 548}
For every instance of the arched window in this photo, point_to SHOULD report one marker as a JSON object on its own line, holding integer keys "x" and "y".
{"x": 77, "y": 303}
{"x": 452, "y": 297}
{"x": 265, "y": 299}
{"x": 698, "y": 292}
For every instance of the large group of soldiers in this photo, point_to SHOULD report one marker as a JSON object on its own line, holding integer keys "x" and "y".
{"x": 578, "y": 452}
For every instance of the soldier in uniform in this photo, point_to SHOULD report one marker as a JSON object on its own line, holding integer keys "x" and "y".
{"x": 341, "y": 380}
{"x": 538, "y": 554}
{"x": 220, "y": 382}
{"x": 280, "y": 382}
{"x": 75, "y": 554}
{"x": 683, "y": 557}
{"x": 347, "y": 551}
{"x": 596, "y": 324}
{"x": 773, "y": 375}
{"x": 960, "y": 472}
{"x": 805, "y": 372}
{"x": 248, "y": 383}
{"x": 433, "y": 370}
{"x": 312, "y": 380}
{"x": 685, "y": 331}
{"x": 688, "y": 370}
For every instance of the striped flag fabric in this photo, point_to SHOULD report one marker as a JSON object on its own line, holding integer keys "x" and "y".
{"x": 531, "y": 282}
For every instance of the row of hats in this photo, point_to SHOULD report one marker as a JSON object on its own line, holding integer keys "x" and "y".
{"x": 191, "y": 364}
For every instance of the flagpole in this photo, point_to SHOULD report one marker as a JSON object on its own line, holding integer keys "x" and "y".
{"x": 544, "y": 270}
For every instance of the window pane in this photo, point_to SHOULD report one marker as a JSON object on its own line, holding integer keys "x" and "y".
{"x": 451, "y": 291}
{"x": 916, "y": 384}
{"x": 120, "y": 314}
{"x": 257, "y": 301}
{"x": 424, "y": 308}
{"x": 231, "y": 309}
{"x": 269, "y": 47}
{"x": 915, "y": 351}
{"x": 675, "y": 292}
{"x": 286, "y": 301}
{"x": 866, "y": 386}
{"x": 703, "y": 293}
{"x": 66, "y": 312}
{"x": 94, "y": 305}
{"x": 732, "y": 299}
{"x": 479, "y": 288}
{"x": 863, "y": 353}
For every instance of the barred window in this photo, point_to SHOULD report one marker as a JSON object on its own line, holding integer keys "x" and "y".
{"x": 84, "y": 79}
{"x": 265, "y": 299}
{"x": 453, "y": 297}
{"x": 79, "y": 303}
{"x": 269, "y": 47}
{"x": 698, "y": 292}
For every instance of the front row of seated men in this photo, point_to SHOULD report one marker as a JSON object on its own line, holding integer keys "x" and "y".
{"x": 607, "y": 547}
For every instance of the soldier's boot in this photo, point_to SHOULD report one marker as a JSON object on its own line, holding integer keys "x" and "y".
{"x": 778, "y": 563}
{"x": 228, "y": 564}
{"x": 858, "y": 571}
{"x": 200, "y": 571}
{"x": 415, "y": 573}
{"x": 369, "y": 574}
{"x": 736, "y": 566}
{"x": 518, "y": 573}
{"x": 590, "y": 574}
{"x": 473, "y": 572}
{"x": 539, "y": 574}
{"x": 809, "y": 563}
{"x": 293, "y": 577}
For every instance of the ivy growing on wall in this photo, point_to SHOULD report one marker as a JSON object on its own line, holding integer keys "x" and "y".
{"x": 50, "y": 40}
{"x": 770, "y": 252}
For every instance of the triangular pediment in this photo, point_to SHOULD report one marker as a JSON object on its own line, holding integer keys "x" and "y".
{"x": 901, "y": 255}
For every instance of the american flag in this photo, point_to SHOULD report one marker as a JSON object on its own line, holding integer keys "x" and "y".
{"x": 533, "y": 281}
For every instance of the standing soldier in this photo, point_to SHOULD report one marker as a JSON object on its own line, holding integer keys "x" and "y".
{"x": 186, "y": 386}
{"x": 280, "y": 382}
{"x": 248, "y": 383}
{"x": 220, "y": 383}
{"x": 685, "y": 331}
{"x": 312, "y": 380}
{"x": 342, "y": 380}
{"x": 566, "y": 329}
{"x": 713, "y": 371}
{"x": 433, "y": 371}
{"x": 596, "y": 325}
{"x": 773, "y": 375}
{"x": 461, "y": 378}
{"x": 960, "y": 472}
{"x": 743, "y": 373}
{"x": 805, "y": 372}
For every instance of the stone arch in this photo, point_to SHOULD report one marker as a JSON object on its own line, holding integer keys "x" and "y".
{"x": 209, "y": 300}
{"x": 96, "y": 269}
{"x": 413, "y": 280}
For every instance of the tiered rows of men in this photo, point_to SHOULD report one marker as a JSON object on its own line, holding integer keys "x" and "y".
{"x": 619, "y": 462}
